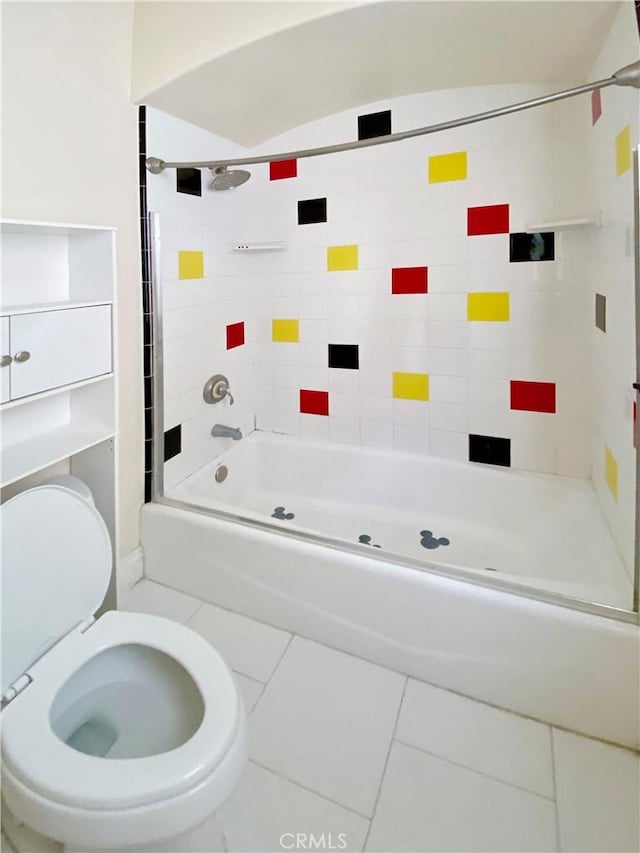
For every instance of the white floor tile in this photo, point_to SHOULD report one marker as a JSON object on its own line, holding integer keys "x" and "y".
{"x": 251, "y": 648}
{"x": 598, "y": 795}
{"x": 149, "y": 597}
{"x": 267, "y": 812}
{"x": 428, "y": 804}
{"x": 325, "y": 720}
{"x": 250, "y": 690}
{"x": 494, "y": 742}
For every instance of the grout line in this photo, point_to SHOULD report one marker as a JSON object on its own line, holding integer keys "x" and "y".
{"x": 555, "y": 789}
{"x": 386, "y": 763}
{"x": 195, "y": 612}
{"x": 452, "y": 690}
{"x": 474, "y": 770}
{"x": 262, "y": 684}
{"x": 308, "y": 789}
{"x": 277, "y": 666}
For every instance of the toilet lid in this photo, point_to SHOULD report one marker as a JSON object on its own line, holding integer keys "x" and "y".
{"x": 56, "y": 566}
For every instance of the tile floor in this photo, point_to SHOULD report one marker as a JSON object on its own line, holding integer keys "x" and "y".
{"x": 363, "y": 758}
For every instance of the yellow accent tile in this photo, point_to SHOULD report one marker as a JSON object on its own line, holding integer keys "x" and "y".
{"x": 448, "y": 167}
{"x": 190, "y": 265}
{"x": 623, "y": 151}
{"x": 342, "y": 258}
{"x": 488, "y": 306}
{"x": 411, "y": 386}
{"x": 285, "y": 331}
{"x": 611, "y": 472}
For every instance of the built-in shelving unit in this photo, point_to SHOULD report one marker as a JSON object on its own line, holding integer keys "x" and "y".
{"x": 58, "y": 402}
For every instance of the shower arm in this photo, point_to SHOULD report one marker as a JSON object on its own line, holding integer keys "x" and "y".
{"x": 627, "y": 76}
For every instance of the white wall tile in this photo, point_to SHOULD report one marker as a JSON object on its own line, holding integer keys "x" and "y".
{"x": 448, "y": 389}
{"x": 449, "y": 445}
{"x": 411, "y": 439}
{"x": 376, "y": 433}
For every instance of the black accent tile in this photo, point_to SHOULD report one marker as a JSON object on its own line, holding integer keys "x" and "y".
{"x": 148, "y": 487}
{"x": 147, "y": 297}
{"x": 374, "y": 124}
{"x": 344, "y": 356}
{"x": 312, "y": 210}
{"x": 148, "y": 454}
{"x": 189, "y": 181}
{"x": 148, "y": 360}
{"x": 147, "y": 328}
{"x": 148, "y": 422}
{"x": 490, "y": 450}
{"x": 148, "y": 391}
{"x": 601, "y": 312}
{"x": 532, "y": 247}
{"x": 172, "y": 442}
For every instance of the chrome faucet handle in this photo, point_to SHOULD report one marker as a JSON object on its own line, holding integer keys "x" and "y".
{"x": 217, "y": 388}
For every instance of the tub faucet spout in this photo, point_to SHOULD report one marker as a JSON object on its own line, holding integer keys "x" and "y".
{"x": 222, "y": 431}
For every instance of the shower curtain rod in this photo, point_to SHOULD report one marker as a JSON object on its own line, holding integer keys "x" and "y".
{"x": 627, "y": 76}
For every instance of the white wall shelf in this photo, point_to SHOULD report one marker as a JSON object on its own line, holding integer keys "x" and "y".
{"x": 24, "y": 459}
{"x": 39, "y": 307}
{"x": 557, "y": 224}
{"x": 51, "y": 392}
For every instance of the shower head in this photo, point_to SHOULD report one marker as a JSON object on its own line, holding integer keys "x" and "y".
{"x": 223, "y": 179}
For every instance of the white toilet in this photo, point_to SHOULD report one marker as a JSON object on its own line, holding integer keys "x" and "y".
{"x": 125, "y": 732}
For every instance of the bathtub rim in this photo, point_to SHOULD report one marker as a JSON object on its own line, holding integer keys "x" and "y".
{"x": 608, "y": 611}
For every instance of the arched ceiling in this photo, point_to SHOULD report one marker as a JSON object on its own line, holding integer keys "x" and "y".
{"x": 376, "y": 50}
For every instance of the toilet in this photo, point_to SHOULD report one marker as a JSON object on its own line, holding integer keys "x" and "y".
{"x": 121, "y": 732}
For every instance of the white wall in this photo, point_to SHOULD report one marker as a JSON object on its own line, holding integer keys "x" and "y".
{"x": 69, "y": 154}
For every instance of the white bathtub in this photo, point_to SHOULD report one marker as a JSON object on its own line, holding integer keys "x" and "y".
{"x": 568, "y": 668}
{"x": 536, "y": 530}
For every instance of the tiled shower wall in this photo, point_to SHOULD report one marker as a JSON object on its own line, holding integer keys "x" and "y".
{"x": 412, "y": 310}
{"x": 208, "y": 303}
{"x": 611, "y": 130}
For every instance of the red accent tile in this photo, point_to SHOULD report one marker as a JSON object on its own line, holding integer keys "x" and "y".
{"x": 596, "y": 106}
{"x": 283, "y": 169}
{"x": 533, "y": 396}
{"x": 314, "y": 402}
{"x": 235, "y": 335}
{"x": 491, "y": 219}
{"x": 409, "y": 280}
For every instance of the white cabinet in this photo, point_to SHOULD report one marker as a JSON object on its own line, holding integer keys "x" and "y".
{"x": 57, "y": 323}
{"x": 5, "y": 354}
{"x": 55, "y": 348}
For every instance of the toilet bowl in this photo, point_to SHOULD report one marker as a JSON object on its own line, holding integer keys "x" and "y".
{"x": 122, "y": 732}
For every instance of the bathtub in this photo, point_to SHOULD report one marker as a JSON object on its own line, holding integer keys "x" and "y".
{"x": 456, "y": 593}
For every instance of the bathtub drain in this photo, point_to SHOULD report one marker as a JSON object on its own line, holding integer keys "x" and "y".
{"x": 221, "y": 473}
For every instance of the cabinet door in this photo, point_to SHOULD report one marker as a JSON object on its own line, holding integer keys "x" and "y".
{"x": 55, "y": 348}
{"x": 5, "y": 351}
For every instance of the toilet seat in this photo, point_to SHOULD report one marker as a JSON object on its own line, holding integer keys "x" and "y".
{"x": 171, "y": 715}
{"x": 41, "y": 762}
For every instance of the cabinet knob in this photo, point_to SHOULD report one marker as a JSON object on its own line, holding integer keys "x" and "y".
{"x": 5, "y": 360}
{"x": 23, "y": 355}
